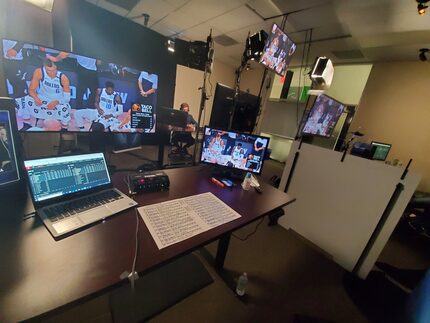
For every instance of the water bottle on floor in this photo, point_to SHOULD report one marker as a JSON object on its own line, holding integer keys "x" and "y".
{"x": 241, "y": 284}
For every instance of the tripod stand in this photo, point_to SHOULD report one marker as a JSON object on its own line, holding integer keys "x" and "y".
{"x": 204, "y": 97}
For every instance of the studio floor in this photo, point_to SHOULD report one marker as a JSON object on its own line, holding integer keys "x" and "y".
{"x": 289, "y": 281}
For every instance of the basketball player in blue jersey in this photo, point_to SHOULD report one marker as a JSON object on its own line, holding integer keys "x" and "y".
{"x": 108, "y": 107}
{"x": 49, "y": 94}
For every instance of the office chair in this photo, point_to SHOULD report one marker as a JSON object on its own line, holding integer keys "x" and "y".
{"x": 178, "y": 152}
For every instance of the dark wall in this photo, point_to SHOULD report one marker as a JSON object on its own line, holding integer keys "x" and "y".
{"x": 101, "y": 34}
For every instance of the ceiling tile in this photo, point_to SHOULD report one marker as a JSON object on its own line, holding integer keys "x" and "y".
{"x": 235, "y": 19}
{"x": 204, "y": 10}
{"x": 265, "y": 8}
{"x": 201, "y": 32}
{"x": 177, "y": 3}
{"x": 155, "y": 8}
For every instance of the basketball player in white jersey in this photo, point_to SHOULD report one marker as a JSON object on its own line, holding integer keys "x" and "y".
{"x": 216, "y": 146}
{"x": 49, "y": 94}
{"x": 108, "y": 107}
{"x": 235, "y": 154}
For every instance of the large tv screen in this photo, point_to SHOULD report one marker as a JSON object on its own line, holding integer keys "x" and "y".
{"x": 60, "y": 91}
{"x": 278, "y": 51}
{"x": 323, "y": 116}
{"x": 234, "y": 150}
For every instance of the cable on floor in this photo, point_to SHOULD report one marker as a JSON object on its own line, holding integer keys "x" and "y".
{"x": 250, "y": 234}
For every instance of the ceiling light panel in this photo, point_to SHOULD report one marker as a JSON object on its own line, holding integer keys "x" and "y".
{"x": 42, "y": 4}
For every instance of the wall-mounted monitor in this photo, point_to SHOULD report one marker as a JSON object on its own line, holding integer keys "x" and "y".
{"x": 323, "y": 116}
{"x": 9, "y": 171}
{"x": 278, "y": 51}
{"x": 234, "y": 150}
{"x": 61, "y": 91}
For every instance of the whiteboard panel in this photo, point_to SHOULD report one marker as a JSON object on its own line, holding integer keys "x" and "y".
{"x": 338, "y": 204}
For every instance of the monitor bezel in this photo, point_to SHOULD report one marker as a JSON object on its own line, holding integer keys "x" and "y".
{"x": 79, "y": 54}
{"x": 9, "y": 106}
{"x": 313, "y": 107}
{"x": 267, "y": 40}
{"x": 380, "y": 143}
{"x": 228, "y": 167}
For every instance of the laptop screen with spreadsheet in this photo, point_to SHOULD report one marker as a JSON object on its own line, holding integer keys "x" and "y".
{"x": 59, "y": 176}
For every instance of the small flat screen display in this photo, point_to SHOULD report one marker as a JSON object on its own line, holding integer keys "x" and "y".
{"x": 323, "y": 116}
{"x": 278, "y": 51}
{"x": 380, "y": 150}
{"x": 61, "y": 91}
{"x": 234, "y": 150}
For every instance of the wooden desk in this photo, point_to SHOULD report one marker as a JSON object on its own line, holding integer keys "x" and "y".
{"x": 40, "y": 275}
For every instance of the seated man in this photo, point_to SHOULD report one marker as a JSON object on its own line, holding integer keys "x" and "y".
{"x": 185, "y": 136}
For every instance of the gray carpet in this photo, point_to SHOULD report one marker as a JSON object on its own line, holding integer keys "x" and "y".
{"x": 159, "y": 290}
{"x": 286, "y": 277}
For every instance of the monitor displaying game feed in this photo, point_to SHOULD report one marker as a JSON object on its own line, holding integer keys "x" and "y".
{"x": 9, "y": 171}
{"x": 323, "y": 116}
{"x": 61, "y": 91}
{"x": 234, "y": 150}
{"x": 278, "y": 51}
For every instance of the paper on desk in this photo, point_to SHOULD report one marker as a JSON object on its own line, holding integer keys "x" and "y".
{"x": 176, "y": 220}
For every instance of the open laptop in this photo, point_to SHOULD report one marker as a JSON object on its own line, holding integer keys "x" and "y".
{"x": 71, "y": 192}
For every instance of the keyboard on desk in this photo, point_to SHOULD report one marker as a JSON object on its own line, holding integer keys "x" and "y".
{"x": 71, "y": 215}
{"x": 59, "y": 212}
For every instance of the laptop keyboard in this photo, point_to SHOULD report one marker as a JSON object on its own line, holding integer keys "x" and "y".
{"x": 65, "y": 210}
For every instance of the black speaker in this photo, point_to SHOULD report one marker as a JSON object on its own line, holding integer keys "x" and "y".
{"x": 223, "y": 107}
{"x": 245, "y": 112}
{"x": 244, "y": 109}
{"x": 287, "y": 83}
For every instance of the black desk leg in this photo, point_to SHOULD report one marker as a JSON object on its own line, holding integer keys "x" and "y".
{"x": 160, "y": 156}
{"x": 222, "y": 251}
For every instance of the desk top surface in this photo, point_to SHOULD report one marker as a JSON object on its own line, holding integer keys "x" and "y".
{"x": 39, "y": 274}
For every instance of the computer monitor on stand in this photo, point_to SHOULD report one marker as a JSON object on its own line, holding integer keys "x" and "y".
{"x": 233, "y": 153}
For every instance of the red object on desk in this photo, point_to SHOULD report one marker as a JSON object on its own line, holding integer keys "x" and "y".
{"x": 217, "y": 182}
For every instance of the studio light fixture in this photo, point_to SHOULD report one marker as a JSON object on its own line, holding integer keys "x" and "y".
{"x": 421, "y": 7}
{"x": 422, "y": 55}
{"x": 171, "y": 45}
{"x": 255, "y": 45}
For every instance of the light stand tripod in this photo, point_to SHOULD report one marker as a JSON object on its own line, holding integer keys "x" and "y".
{"x": 204, "y": 97}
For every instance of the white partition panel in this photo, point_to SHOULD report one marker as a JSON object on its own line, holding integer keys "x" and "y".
{"x": 338, "y": 204}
